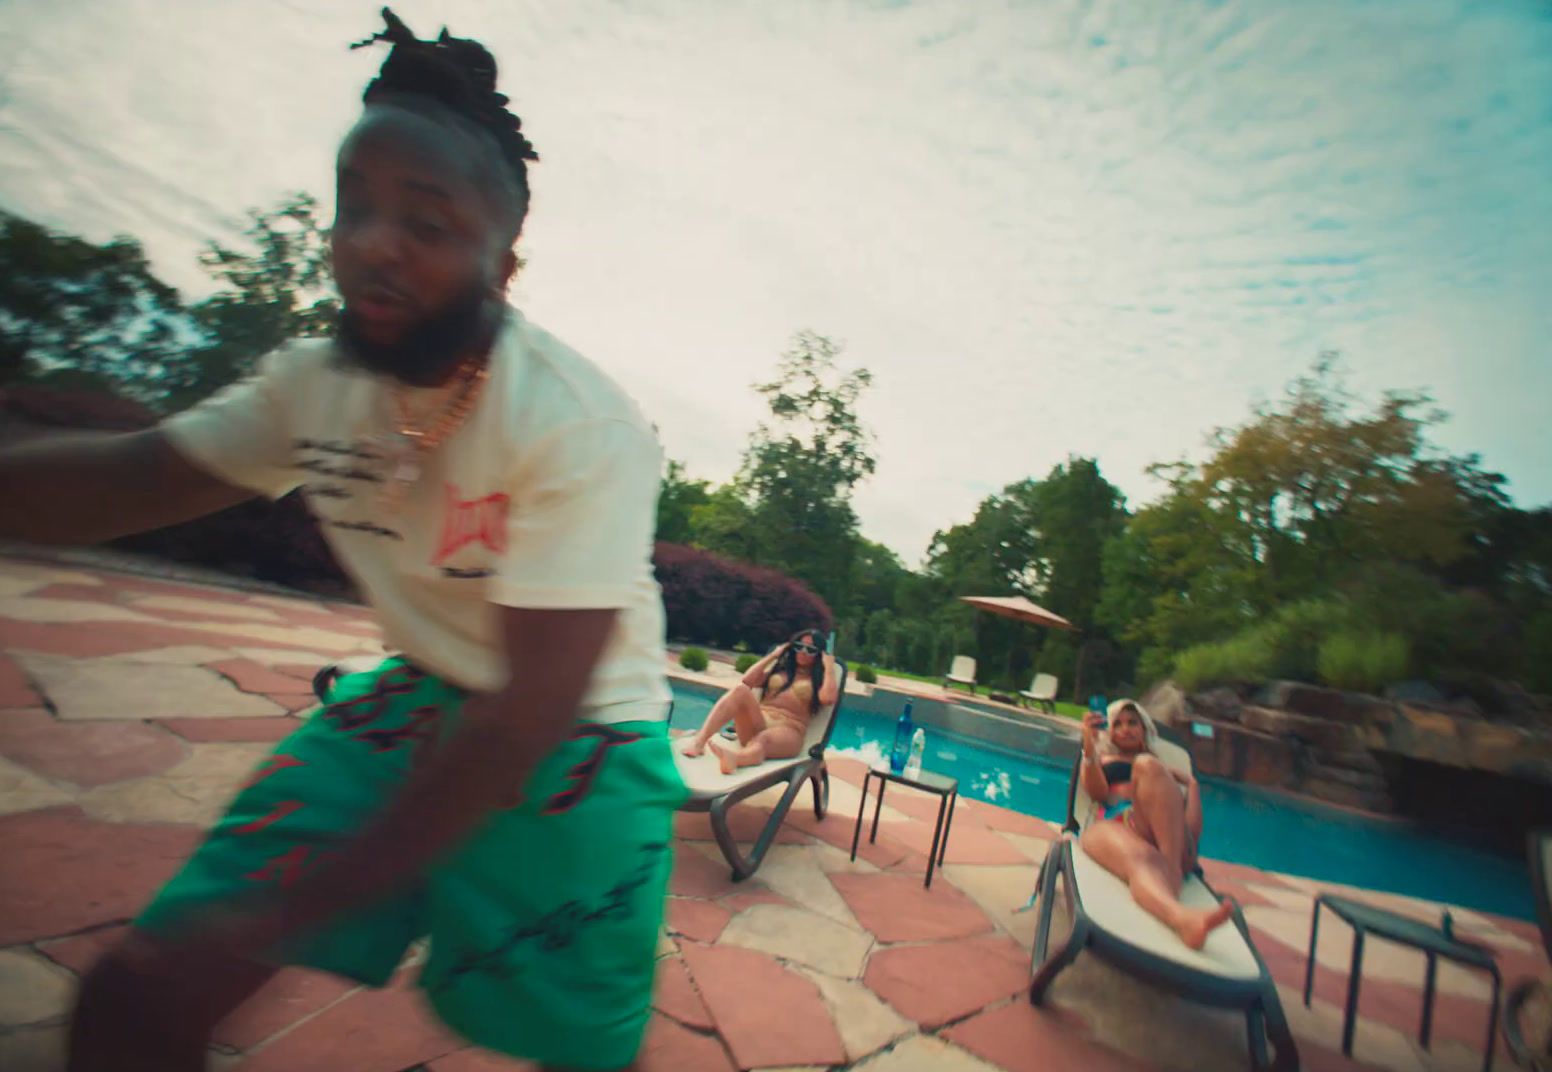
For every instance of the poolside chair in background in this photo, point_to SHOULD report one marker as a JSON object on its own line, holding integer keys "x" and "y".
{"x": 961, "y": 673}
{"x": 1227, "y": 972}
{"x": 717, "y": 793}
{"x": 1041, "y": 692}
{"x": 1534, "y": 1053}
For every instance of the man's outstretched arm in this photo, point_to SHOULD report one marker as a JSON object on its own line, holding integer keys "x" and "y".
{"x": 90, "y": 487}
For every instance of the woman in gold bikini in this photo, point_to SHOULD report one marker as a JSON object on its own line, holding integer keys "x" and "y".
{"x": 793, "y": 682}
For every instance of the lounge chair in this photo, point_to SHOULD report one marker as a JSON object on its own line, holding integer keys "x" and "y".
{"x": 717, "y": 793}
{"x": 961, "y": 673}
{"x": 1227, "y": 972}
{"x": 1535, "y": 1054}
{"x": 1041, "y": 692}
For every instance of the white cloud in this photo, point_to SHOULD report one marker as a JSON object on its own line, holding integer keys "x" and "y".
{"x": 1099, "y": 228}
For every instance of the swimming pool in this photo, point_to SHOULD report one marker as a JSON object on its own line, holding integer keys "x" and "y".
{"x": 1243, "y": 825}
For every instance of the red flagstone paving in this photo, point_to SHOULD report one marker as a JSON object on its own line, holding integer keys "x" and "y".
{"x": 968, "y": 843}
{"x": 253, "y": 677}
{"x": 700, "y": 920}
{"x": 204, "y": 730}
{"x": 788, "y": 1025}
{"x": 696, "y": 875}
{"x": 836, "y": 829}
{"x": 670, "y": 1047}
{"x": 745, "y": 824}
{"x": 80, "y": 951}
{"x": 1022, "y": 1038}
{"x": 85, "y": 753}
{"x": 1008, "y": 822}
{"x": 1222, "y": 871}
{"x": 292, "y": 994}
{"x": 64, "y": 872}
{"x": 943, "y": 981}
{"x": 897, "y": 908}
{"x": 477, "y": 1060}
{"x": 676, "y": 995}
{"x": 15, "y": 691}
{"x": 749, "y": 898}
{"x": 937, "y": 958}
{"x": 370, "y": 1031}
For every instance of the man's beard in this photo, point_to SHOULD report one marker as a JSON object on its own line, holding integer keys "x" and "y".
{"x": 427, "y": 352}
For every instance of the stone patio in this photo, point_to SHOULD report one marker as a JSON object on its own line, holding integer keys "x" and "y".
{"x": 130, "y": 708}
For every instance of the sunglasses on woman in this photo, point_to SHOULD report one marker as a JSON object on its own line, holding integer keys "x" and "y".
{"x": 805, "y": 647}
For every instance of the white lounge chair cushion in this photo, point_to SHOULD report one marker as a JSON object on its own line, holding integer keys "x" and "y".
{"x": 963, "y": 669}
{"x": 1108, "y": 901}
{"x": 1043, "y": 687}
{"x": 703, "y": 775}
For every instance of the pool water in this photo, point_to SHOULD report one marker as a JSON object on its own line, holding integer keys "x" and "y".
{"x": 1242, "y": 824}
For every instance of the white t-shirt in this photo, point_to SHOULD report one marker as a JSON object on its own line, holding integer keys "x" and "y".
{"x": 545, "y": 497}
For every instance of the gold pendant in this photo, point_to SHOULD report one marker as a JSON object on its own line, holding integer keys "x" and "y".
{"x": 401, "y": 468}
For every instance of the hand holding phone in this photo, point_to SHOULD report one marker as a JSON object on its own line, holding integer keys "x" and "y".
{"x": 1098, "y": 707}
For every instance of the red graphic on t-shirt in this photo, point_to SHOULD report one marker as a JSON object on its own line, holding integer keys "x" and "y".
{"x": 472, "y": 521}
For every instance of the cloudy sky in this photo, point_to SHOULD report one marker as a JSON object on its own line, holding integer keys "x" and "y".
{"x": 1053, "y": 227}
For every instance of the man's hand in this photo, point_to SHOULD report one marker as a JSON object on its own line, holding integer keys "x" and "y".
{"x": 90, "y": 487}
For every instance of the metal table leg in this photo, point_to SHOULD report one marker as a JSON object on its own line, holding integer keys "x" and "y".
{"x": 937, "y": 832}
{"x": 862, "y": 809}
{"x": 1350, "y": 1015}
{"x": 1309, "y": 965}
{"x": 1425, "y": 1032}
{"x": 878, "y": 807}
{"x": 943, "y": 849}
{"x": 1492, "y": 1023}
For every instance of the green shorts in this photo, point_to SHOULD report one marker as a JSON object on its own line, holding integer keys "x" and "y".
{"x": 543, "y": 926}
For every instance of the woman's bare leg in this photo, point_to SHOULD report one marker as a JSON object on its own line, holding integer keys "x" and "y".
{"x": 740, "y": 706}
{"x": 777, "y": 742}
{"x": 1147, "y": 852}
{"x": 1193, "y": 825}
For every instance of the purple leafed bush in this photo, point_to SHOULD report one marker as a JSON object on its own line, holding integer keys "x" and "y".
{"x": 717, "y": 601}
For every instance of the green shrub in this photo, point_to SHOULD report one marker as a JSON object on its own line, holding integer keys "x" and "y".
{"x": 694, "y": 659}
{"x": 867, "y": 675}
{"x": 744, "y": 662}
{"x": 1363, "y": 661}
{"x": 1245, "y": 658}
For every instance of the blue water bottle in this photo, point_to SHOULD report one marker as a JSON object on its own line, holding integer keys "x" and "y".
{"x": 902, "y": 749}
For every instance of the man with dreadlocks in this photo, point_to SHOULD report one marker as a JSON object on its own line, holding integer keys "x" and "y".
{"x": 504, "y": 786}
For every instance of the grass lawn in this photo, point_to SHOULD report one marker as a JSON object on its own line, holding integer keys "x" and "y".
{"x": 1068, "y": 710}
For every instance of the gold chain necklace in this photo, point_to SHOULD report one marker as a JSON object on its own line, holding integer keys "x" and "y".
{"x": 407, "y": 445}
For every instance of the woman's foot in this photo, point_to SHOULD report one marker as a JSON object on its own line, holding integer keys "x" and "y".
{"x": 693, "y": 746}
{"x": 1196, "y": 924}
{"x": 725, "y": 759}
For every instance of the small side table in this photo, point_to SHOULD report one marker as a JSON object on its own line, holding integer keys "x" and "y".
{"x": 947, "y": 790}
{"x": 1366, "y": 919}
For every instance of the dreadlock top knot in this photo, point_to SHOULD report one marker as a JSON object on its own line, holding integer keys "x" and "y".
{"x": 457, "y": 73}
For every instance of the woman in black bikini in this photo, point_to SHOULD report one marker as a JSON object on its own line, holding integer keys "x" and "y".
{"x": 1152, "y": 820}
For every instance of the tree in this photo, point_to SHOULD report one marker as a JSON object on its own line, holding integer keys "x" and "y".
{"x": 724, "y": 524}
{"x": 801, "y": 466}
{"x": 1315, "y": 503}
{"x": 281, "y": 288}
{"x": 676, "y": 501}
{"x": 1074, "y": 512}
{"x": 78, "y": 315}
